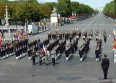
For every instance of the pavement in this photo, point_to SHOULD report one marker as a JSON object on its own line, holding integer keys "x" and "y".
{"x": 72, "y": 71}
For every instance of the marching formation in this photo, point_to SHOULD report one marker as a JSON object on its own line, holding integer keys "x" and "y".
{"x": 57, "y": 44}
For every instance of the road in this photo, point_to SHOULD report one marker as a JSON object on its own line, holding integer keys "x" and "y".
{"x": 72, "y": 71}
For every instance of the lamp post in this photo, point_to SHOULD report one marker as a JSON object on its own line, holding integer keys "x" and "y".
{"x": 7, "y": 22}
{"x": 7, "y": 17}
{"x": 26, "y": 20}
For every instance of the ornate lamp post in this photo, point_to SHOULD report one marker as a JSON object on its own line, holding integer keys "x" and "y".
{"x": 7, "y": 17}
{"x": 7, "y": 22}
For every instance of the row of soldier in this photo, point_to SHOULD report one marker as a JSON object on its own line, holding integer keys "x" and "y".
{"x": 70, "y": 34}
{"x": 84, "y": 48}
{"x": 6, "y": 50}
{"x": 21, "y": 46}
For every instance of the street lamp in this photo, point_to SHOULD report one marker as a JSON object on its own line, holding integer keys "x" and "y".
{"x": 7, "y": 17}
{"x": 26, "y": 20}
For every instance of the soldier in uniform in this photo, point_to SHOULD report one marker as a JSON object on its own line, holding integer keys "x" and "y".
{"x": 29, "y": 53}
{"x": 105, "y": 36}
{"x": 97, "y": 35}
{"x": 33, "y": 56}
{"x": 105, "y": 65}
{"x": 90, "y": 34}
{"x": 1, "y": 53}
{"x": 16, "y": 53}
{"x": 84, "y": 34}
{"x": 40, "y": 57}
{"x": 81, "y": 52}
{"x": 97, "y": 52}
{"x": 53, "y": 57}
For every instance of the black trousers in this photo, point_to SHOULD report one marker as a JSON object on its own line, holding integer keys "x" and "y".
{"x": 53, "y": 61}
{"x": 105, "y": 39}
{"x": 33, "y": 60}
{"x": 40, "y": 60}
{"x": 105, "y": 71}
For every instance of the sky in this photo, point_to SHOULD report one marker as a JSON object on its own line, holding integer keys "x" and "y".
{"x": 92, "y": 3}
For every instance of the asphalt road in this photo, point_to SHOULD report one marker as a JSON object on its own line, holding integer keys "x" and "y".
{"x": 72, "y": 71}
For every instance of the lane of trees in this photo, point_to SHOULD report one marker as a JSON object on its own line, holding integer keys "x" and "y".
{"x": 31, "y": 10}
{"x": 110, "y": 9}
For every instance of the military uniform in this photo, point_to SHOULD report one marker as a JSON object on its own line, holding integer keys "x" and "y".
{"x": 33, "y": 56}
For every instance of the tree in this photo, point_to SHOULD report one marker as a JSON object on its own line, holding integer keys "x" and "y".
{"x": 75, "y": 6}
{"x": 1, "y": 1}
{"x": 28, "y": 11}
{"x": 64, "y": 7}
{"x": 115, "y": 7}
{"x": 45, "y": 11}
{"x": 2, "y": 10}
{"x": 51, "y": 4}
{"x": 110, "y": 9}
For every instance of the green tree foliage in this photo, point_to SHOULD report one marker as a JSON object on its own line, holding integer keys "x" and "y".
{"x": 75, "y": 6}
{"x": 31, "y": 10}
{"x": 64, "y": 7}
{"x": 110, "y": 9}
{"x": 45, "y": 10}
{"x": 1, "y": 1}
{"x": 85, "y": 9}
{"x": 27, "y": 11}
{"x": 51, "y": 4}
{"x": 115, "y": 7}
{"x": 2, "y": 10}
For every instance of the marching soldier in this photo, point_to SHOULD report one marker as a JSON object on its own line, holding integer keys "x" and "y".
{"x": 90, "y": 34}
{"x": 17, "y": 53}
{"x": 84, "y": 34}
{"x": 97, "y": 35}
{"x": 53, "y": 57}
{"x": 97, "y": 52}
{"x": 70, "y": 37}
{"x": 33, "y": 56}
{"x": 29, "y": 53}
{"x": 105, "y": 36}
{"x": 1, "y": 53}
{"x": 81, "y": 52}
{"x": 40, "y": 57}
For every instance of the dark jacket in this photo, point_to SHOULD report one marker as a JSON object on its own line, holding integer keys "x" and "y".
{"x": 105, "y": 63}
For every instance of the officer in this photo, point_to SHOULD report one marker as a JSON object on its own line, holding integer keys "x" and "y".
{"x": 53, "y": 57}
{"x": 29, "y": 53}
{"x": 97, "y": 35}
{"x": 97, "y": 52}
{"x": 81, "y": 52}
{"x": 105, "y": 65}
{"x": 33, "y": 56}
{"x": 16, "y": 53}
{"x": 1, "y": 53}
{"x": 105, "y": 36}
{"x": 70, "y": 37}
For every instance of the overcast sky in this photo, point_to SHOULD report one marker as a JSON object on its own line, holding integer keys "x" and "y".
{"x": 92, "y": 3}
